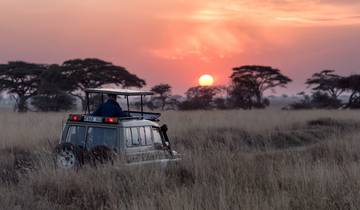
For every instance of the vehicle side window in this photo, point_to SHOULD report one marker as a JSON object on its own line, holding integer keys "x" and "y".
{"x": 101, "y": 136}
{"x": 142, "y": 136}
{"x": 76, "y": 135}
{"x": 148, "y": 135}
{"x": 157, "y": 135}
{"x": 135, "y": 136}
{"x": 132, "y": 137}
{"x": 128, "y": 137}
{"x": 138, "y": 136}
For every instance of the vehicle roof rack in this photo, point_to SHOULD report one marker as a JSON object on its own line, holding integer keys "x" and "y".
{"x": 124, "y": 92}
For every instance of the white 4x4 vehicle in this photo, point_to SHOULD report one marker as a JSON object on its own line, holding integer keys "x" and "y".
{"x": 136, "y": 138}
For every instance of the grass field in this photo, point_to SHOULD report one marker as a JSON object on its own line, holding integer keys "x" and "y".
{"x": 232, "y": 160}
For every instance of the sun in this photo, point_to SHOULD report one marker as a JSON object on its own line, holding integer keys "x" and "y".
{"x": 206, "y": 80}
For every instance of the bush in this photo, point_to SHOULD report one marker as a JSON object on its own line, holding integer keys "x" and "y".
{"x": 323, "y": 100}
{"x": 318, "y": 100}
{"x": 355, "y": 103}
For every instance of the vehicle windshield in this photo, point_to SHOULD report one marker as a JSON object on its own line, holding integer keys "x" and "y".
{"x": 96, "y": 136}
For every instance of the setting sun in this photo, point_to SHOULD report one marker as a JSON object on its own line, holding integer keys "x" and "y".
{"x": 206, "y": 80}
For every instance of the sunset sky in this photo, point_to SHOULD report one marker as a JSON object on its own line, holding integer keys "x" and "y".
{"x": 176, "y": 41}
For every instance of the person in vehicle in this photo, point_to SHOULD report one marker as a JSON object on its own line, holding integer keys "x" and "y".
{"x": 110, "y": 108}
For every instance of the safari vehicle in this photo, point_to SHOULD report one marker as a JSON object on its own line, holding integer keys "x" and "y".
{"x": 136, "y": 138}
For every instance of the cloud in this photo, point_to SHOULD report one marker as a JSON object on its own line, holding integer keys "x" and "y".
{"x": 205, "y": 41}
{"x": 216, "y": 29}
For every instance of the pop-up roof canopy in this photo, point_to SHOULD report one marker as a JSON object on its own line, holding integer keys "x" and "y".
{"x": 124, "y": 92}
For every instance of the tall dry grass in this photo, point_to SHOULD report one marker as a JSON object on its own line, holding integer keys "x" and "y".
{"x": 232, "y": 160}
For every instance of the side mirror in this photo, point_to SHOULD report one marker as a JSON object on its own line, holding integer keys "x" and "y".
{"x": 164, "y": 128}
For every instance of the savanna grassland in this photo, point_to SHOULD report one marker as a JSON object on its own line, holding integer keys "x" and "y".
{"x": 231, "y": 160}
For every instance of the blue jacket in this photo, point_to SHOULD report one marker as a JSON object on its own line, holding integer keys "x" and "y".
{"x": 109, "y": 109}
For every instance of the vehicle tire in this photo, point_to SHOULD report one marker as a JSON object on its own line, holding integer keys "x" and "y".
{"x": 68, "y": 156}
{"x": 102, "y": 155}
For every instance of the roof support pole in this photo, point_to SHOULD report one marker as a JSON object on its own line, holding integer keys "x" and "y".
{"x": 87, "y": 109}
{"x": 142, "y": 106}
{"x": 128, "y": 105}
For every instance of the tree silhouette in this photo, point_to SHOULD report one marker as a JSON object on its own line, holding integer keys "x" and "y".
{"x": 326, "y": 81}
{"x": 255, "y": 80}
{"x": 352, "y": 85}
{"x": 21, "y": 80}
{"x": 53, "y": 91}
{"x": 241, "y": 95}
{"x": 321, "y": 99}
{"x": 163, "y": 92}
{"x": 94, "y": 73}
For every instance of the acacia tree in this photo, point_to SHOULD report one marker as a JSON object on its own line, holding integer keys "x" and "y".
{"x": 241, "y": 95}
{"x": 257, "y": 80}
{"x": 326, "y": 81}
{"x": 53, "y": 91}
{"x": 352, "y": 85}
{"x": 21, "y": 80}
{"x": 94, "y": 73}
{"x": 163, "y": 92}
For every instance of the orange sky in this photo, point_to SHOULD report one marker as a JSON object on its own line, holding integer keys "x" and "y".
{"x": 176, "y": 41}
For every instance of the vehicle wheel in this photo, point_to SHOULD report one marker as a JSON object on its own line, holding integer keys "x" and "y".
{"x": 67, "y": 156}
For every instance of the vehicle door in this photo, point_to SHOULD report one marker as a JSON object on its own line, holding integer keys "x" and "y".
{"x": 141, "y": 144}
